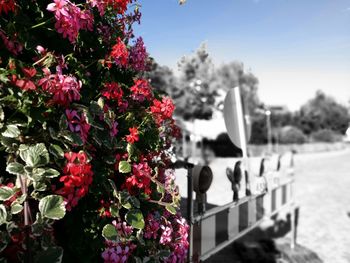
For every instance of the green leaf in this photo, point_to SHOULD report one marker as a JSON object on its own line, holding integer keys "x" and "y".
{"x": 11, "y": 131}
{"x": 36, "y": 155}
{"x": 37, "y": 173}
{"x": 39, "y": 186}
{"x": 72, "y": 137}
{"x": 16, "y": 208}
{"x": 2, "y": 117}
{"x": 3, "y": 214}
{"x": 51, "y": 173}
{"x": 160, "y": 189}
{"x": 56, "y": 151}
{"x": 52, "y": 255}
{"x": 52, "y": 207}
{"x": 124, "y": 167}
{"x": 134, "y": 201}
{"x": 135, "y": 218}
{"x": 6, "y": 193}
{"x": 15, "y": 168}
{"x": 95, "y": 108}
{"x": 5, "y": 239}
{"x": 114, "y": 211}
{"x": 109, "y": 232}
{"x": 38, "y": 226}
{"x": 3, "y": 77}
{"x": 124, "y": 199}
{"x": 171, "y": 209}
{"x": 163, "y": 254}
{"x": 130, "y": 148}
{"x": 115, "y": 190}
{"x": 63, "y": 123}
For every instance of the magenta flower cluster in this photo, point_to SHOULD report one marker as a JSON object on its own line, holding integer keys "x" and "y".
{"x": 138, "y": 56}
{"x": 70, "y": 19}
{"x": 77, "y": 123}
{"x": 63, "y": 88}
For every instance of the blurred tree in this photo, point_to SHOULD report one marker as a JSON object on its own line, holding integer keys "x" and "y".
{"x": 232, "y": 75}
{"x": 196, "y": 97}
{"x": 162, "y": 78}
{"x": 323, "y": 112}
{"x": 193, "y": 91}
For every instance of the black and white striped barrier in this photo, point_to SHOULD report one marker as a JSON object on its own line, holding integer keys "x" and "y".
{"x": 220, "y": 226}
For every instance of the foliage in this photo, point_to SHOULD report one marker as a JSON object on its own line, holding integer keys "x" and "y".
{"x": 290, "y": 134}
{"x": 84, "y": 138}
{"x": 232, "y": 75}
{"x": 323, "y": 112}
{"x": 326, "y": 135}
{"x": 196, "y": 86}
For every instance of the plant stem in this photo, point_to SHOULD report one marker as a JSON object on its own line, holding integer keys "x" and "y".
{"x": 41, "y": 24}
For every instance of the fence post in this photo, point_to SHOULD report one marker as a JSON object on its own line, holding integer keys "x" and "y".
{"x": 190, "y": 211}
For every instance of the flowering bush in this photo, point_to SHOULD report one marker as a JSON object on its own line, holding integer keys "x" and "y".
{"x": 84, "y": 139}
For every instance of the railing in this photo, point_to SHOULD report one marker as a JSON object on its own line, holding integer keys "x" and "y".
{"x": 220, "y": 226}
{"x": 213, "y": 230}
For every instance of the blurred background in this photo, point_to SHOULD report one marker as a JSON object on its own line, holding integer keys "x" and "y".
{"x": 291, "y": 61}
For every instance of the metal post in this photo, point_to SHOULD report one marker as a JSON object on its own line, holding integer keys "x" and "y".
{"x": 269, "y": 131}
{"x": 293, "y": 219}
{"x": 190, "y": 211}
{"x": 292, "y": 243}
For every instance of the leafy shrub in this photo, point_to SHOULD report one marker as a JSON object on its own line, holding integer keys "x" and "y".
{"x": 291, "y": 134}
{"x": 84, "y": 139}
{"x": 326, "y": 135}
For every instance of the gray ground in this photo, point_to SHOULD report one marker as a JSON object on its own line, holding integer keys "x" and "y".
{"x": 322, "y": 190}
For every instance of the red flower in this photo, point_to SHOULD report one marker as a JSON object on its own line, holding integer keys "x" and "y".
{"x": 140, "y": 179}
{"x": 77, "y": 178}
{"x": 119, "y": 5}
{"x": 162, "y": 109}
{"x": 26, "y": 83}
{"x": 113, "y": 91}
{"x": 141, "y": 90}
{"x": 7, "y": 5}
{"x": 11, "y": 44}
{"x": 133, "y": 136}
{"x": 120, "y": 53}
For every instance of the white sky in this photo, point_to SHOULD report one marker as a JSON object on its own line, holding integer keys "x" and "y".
{"x": 294, "y": 88}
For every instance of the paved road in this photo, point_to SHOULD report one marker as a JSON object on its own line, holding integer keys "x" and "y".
{"x": 323, "y": 192}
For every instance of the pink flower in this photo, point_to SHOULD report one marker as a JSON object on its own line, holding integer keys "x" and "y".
{"x": 152, "y": 227}
{"x": 78, "y": 124}
{"x": 123, "y": 229}
{"x": 118, "y": 253}
{"x": 63, "y": 88}
{"x": 58, "y": 7}
{"x": 114, "y": 131}
{"x": 70, "y": 19}
{"x": 165, "y": 238}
